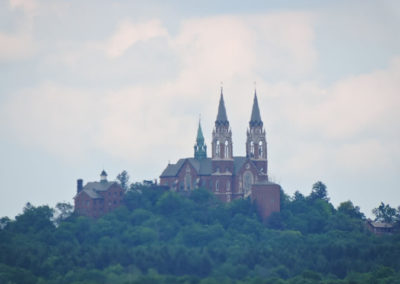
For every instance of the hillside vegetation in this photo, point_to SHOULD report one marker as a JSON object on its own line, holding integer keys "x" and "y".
{"x": 162, "y": 237}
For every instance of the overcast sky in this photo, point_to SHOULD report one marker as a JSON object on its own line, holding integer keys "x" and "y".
{"x": 120, "y": 85}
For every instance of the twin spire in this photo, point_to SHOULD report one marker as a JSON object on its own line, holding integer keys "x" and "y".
{"x": 222, "y": 119}
{"x": 200, "y": 149}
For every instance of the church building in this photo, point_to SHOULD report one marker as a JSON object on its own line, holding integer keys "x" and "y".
{"x": 228, "y": 177}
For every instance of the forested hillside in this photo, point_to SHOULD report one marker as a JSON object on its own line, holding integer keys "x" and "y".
{"x": 162, "y": 237}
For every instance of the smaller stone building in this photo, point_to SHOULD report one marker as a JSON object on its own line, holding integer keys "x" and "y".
{"x": 381, "y": 228}
{"x": 97, "y": 198}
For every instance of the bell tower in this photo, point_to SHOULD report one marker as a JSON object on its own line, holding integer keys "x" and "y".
{"x": 222, "y": 154}
{"x": 222, "y": 134}
{"x": 256, "y": 144}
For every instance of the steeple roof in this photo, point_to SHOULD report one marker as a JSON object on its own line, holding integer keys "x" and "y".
{"x": 221, "y": 116}
{"x": 200, "y": 137}
{"x": 255, "y": 119}
{"x": 200, "y": 149}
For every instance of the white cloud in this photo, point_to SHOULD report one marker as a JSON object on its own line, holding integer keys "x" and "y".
{"x": 19, "y": 44}
{"x": 128, "y": 122}
{"x": 58, "y": 119}
{"x": 102, "y": 93}
{"x": 29, "y": 7}
{"x": 352, "y": 126}
{"x": 128, "y": 33}
{"x": 16, "y": 46}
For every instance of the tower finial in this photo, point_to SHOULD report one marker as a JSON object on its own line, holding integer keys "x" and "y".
{"x": 222, "y": 87}
{"x": 255, "y": 87}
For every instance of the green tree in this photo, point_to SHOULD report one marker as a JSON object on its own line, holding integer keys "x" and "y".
{"x": 34, "y": 219}
{"x": 63, "y": 211}
{"x": 123, "y": 179}
{"x": 4, "y": 221}
{"x": 350, "y": 210}
{"x": 319, "y": 191}
{"x": 385, "y": 213}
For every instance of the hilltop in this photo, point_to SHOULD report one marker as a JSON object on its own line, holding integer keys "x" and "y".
{"x": 159, "y": 236}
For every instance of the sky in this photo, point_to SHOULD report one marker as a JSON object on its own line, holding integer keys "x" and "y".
{"x": 120, "y": 85}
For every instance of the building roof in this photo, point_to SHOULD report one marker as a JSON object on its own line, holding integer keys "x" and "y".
{"x": 202, "y": 167}
{"x": 255, "y": 119}
{"x": 93, "y": 188}
{"x": 380, "y": 224}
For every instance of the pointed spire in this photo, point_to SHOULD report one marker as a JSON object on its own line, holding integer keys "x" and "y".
{"x": 221, "y": 116}
{"x": 200, "y": 137}
{"x": 200, "y": 149}
{"x": 255, "y": 119}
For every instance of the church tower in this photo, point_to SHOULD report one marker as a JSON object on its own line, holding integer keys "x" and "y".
{"x": 200, "y": 149}
{"x": 222, "y": 134}
{"x": 256, "y": 144}
{"x": 222, "y": 153}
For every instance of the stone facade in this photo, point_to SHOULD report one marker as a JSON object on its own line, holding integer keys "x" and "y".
{"x": 97, "y": 198}
{"x": 227, "y": 176}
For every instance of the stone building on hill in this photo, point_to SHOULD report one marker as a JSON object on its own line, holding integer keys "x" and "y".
{"x": 97, "y": 198}
{"x": 381, "y": 228}
{"x": 228, "y": 177}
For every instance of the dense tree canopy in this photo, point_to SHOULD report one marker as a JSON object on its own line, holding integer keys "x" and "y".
{"x": 159, "y": 236}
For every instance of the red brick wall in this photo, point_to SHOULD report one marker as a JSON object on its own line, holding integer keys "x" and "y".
{"x": 266, "y": 198}
{"x": 111, "y": 199}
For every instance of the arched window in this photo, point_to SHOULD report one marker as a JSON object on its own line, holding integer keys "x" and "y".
{"x": 217, "y": 149}
{"x": 188, "y": 182}
{"x": 217, "y": 186}
{"x": 251, "y": 149}
{"x": 260, "y": 150}
{"x": 188, "y": 179}
{"x": 226, "y": 149}
{"x": 247, "y": 182}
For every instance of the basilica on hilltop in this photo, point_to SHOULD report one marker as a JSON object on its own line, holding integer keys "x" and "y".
{"x": 229, "y": 177}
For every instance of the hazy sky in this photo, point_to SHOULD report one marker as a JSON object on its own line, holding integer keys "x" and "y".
{"x": 87, "y": 85}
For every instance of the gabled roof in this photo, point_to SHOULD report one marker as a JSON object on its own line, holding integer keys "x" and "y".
{"x": 92, "y": 189}
{"x": 380, "y": 224}
{"x": 202, "y": 167}
{"x": 238, "y": 163}
{"x": 172, "y": 169}
{"x": 99, "y": 185}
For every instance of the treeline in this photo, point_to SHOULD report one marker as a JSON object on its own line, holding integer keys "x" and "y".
{"x": 162, "y": 237}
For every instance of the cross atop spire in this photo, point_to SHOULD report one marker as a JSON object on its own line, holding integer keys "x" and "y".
{"x": 222, "y": 118}
{"x": 255, "y": 119}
